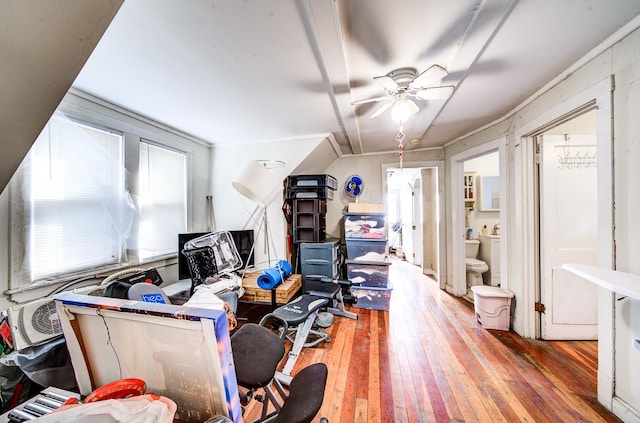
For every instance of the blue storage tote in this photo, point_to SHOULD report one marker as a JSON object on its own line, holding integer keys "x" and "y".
{"x": 370, "y": 226}
{"x": 367, "y": 249}
{"x": 368, "y": 273}
{"x": 372, "y": 298}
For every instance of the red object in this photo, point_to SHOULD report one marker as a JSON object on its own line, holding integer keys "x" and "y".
{"x": 5, "y": 332}
{"x": 118, "y": 389}
{"x": 15, "y": 398}
{"x": 71, "y": 401}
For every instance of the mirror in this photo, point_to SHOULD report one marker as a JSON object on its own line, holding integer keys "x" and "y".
{"x": 489, "y": 195}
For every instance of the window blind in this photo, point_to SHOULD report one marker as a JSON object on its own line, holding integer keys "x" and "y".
{"x": 162, "y": 200}
{"x": 75, "y": 181}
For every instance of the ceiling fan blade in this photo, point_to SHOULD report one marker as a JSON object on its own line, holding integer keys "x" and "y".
{"x": 387, "y": 83}
{"x": 435, "y": 93}
{"x": 413, "y": 106}
{"x": 428, "y": 77}
{"x": 369, "y": 100}
{"x": 381, "y": 110}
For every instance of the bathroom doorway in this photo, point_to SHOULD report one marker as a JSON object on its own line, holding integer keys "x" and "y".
{"x": 482, "y": 218}
{"x": 463, "y": 207}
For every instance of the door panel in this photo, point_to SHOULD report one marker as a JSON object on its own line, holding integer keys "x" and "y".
{"x": 416, "y": 221}
{"x": 407, "y": 222}
{"x": 568, "y": 234}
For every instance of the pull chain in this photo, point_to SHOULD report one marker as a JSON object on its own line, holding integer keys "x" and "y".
{"x": 400, "y": 139}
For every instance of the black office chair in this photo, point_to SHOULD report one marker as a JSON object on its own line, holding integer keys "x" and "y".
{"x": 256, "y": 354}
{"x": 305, "y": 395}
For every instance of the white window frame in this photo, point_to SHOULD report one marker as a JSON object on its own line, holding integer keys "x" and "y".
{"x": 97, "y": 113}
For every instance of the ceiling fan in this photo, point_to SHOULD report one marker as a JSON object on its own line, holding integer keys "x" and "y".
{"x": 402, "y": 85}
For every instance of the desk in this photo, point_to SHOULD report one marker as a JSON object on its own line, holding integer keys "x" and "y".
{"x": 623, "y": 283}
{"x": 284, "y": 292}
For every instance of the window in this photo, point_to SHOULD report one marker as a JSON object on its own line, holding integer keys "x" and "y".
{"x": 73, "y": 189}
{"x": 163, "y": 199}
{"x": 74, "y": 210}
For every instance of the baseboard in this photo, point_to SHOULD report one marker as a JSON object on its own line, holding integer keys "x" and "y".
{"x": 624, "y": 411}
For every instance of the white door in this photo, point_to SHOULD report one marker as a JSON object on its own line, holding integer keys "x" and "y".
{"x": 416, "y": 221}
{"x": 406, "y": 210}
{"x": 430, "y": 222}
{"x": 568, "y": 234}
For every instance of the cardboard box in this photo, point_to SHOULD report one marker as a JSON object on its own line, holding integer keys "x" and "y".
{"x": 366, "y": 208}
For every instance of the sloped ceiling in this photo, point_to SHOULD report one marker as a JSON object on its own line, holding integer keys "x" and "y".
{"x": 43, "y": 46}
{"x": 271, "y": 70}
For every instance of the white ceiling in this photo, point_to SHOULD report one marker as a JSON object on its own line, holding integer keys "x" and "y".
{"x": 265, "y": 70}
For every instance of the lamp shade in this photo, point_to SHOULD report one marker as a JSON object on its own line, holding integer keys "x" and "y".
{"x": 256, "y": 183}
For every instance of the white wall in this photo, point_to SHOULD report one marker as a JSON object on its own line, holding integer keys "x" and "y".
{"x": 622, "y": 61}
{"x": 233, "y": 211}
{"x": 370, "y": 168}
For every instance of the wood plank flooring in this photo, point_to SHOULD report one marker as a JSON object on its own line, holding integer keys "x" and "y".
{"x": 428, "y": 360}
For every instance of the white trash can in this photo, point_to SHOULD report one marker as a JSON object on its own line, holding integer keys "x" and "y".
{"x": 492, "y": 306}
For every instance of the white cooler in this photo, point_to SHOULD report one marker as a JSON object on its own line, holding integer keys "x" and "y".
{"x": 492, "y": 306}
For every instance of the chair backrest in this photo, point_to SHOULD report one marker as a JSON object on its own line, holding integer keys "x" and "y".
{"x": 256, "y": 354}
{"x": 306, "y": 393}
{"x": 148, "y": 293}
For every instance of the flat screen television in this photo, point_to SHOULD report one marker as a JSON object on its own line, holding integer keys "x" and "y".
{"x": 242, "y": 238}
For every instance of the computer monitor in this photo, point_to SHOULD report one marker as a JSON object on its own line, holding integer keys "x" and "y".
{"x": 242, "y": 238}
{"x": 244, "y": 243}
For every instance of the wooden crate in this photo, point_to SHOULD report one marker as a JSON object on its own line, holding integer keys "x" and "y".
{"x": 284, "y": 293}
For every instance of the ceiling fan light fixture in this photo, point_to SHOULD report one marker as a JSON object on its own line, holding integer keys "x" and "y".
{"x": 401, "y": 111}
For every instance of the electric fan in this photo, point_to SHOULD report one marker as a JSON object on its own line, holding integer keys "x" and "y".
{"x": 34, "y": 323}
{"x": 354, "y": 186}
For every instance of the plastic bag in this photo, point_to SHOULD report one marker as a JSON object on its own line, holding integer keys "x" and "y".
{"x": 48, "y": 364}
{"x": 204, "y": 297}
{"x": 146, "y": 408}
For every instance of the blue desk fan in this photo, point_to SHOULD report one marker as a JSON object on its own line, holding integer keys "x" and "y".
{"x": 354, "y": 186}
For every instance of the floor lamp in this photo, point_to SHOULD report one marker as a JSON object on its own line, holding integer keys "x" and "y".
{"x": 255, "y": 182}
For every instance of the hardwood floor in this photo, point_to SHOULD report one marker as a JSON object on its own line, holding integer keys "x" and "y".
{"x": 428, "y": 360}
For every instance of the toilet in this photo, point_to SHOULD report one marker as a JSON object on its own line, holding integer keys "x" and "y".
{"x": 475, "y": 267}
